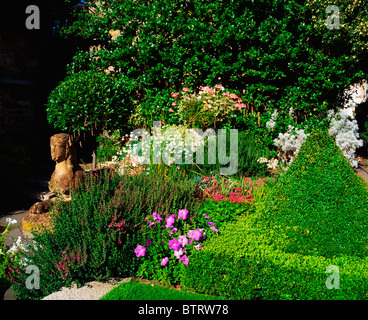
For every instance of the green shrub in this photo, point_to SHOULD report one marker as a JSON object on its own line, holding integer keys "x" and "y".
{"x": 94, "y": 236}
{"x": 314, "y": 217}
{"x": 109, "y": 145}
{"x": 274, "y": 50}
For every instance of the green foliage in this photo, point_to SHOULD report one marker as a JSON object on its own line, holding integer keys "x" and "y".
{"x": 250, "y": 149}
{"x": 159, "y": 236}
{"x": 109, "y": 145}
{"x": 210, "y": 107}
{"x": 320, "y": 181}
{"x": 4, "y": 257}
{"x": 224, "y": 211}
{"x": 315, "y": 216}
{"x": 269, "y": 51}
{"x": 94, "y": 236}
{"x": 89, "y": 100}
{"x": 134, "y": 290}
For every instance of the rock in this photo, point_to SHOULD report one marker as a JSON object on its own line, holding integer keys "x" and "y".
{"x": 40, "y": 207}
{"x": 34, "y": 222}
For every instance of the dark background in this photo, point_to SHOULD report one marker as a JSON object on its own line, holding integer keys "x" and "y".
{"x": 32, "y": 63}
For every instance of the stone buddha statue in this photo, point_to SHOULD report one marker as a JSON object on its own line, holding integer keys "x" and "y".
{"x": 67, "y": 174}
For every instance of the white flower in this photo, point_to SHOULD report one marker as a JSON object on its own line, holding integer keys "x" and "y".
{"x": 262, "y": 160}
{"x": 11, "y": 221}
{"x": 290, "y": 143}
{"x": 345, "y": 133}
{"x": 272, "y": 122}
{"x": 273, "y": 163}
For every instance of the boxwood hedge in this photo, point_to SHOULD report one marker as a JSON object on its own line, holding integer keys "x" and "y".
{"x": 315, "y": 217}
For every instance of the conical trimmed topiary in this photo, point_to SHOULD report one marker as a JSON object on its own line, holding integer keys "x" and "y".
{"x": 314, "y": 220}
{"x": 323, "y": 204}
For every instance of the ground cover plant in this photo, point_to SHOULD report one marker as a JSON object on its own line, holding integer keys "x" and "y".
{"x": 135, "y": 290}
{"x": 313, "y": 218}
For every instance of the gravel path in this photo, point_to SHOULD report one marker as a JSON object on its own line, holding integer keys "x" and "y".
{"x": 90, "y": 291}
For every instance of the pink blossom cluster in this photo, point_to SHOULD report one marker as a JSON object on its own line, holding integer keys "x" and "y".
{"x": 178, "y": 244}
{"x": 67, "y": 261}
{"x": 210, "y": 91}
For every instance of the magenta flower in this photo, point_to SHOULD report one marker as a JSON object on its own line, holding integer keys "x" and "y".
{"x": 206, "y": 216}
{"x": 211, "y": 223}
{"x": 148, "y": 242}
{"x": 172, "y": 231}
{"x": 179, "y": 253}
{"x": 140, "y": 251}
{"x": 184, "y": 259}
{"x": 214, "y": 229}
{"x": 183, "y": 214}
{"x": 195, "y": 234}
{"x": 174, "y": 244}
{"x": 157, "y": 217}
{"x": 164, "y": 261}
{"x": 183, "y": 240}
{"x": 170, "y": 221}
{"x": 150, "y": 224}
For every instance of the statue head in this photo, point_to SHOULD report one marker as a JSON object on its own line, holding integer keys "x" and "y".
{"x": 60, "y": 145}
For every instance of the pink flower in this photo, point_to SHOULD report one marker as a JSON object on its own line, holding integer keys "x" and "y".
{"x": 234, "y": 96}
{"x": 171, "y": 110}
{"x": 148, "y": 242}
{"x": 164, "y": 261}
{"x": 173, "y": 230}
{"x": 214, "y": 229}
{"x": 183, "y": 240}
{"x": 179, "y": 253}
{"x": 238, "y": 189}
{"x": 226, "y": 93}
{"x": 206, "y": 179}
{"x": 150, "y": 224}
{"x": 211, "y": 223}
{"x": 206, "y": 216}
{"x": 156, "y": 217}
{"x": 208, "y": 90}
{"x": 195, "y": 234}
{"x": 219, "y": 86}
{"x": 185, "y": 89}
{"x": 140, "y": 251}
{"x": 183, "y": 214}
{"x": 184, "y": 259}
{"x": 174, "y": 244}
{"x": 174, "y": 94}
{"x": 170, "y": 221}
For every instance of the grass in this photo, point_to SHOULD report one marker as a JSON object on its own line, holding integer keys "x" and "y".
{"x": 135, "y": 290}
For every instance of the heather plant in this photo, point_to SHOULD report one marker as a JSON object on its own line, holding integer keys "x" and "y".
{"x": 92, "y": 236}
